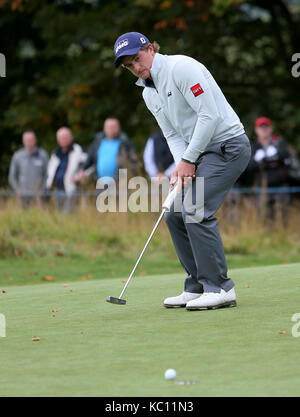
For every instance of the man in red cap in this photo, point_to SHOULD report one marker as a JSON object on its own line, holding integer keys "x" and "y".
{"x": 263, "y": 121}
{"x": 269, "y": 163}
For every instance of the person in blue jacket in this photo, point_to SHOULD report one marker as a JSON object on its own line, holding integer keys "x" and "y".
{"x": 110, "y": 151}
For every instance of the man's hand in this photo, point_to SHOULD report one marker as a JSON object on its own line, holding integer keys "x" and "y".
{"x": 183, "y": 170}
{"x": 160, "y": 175}
{"x": 260, "y": 154}
{"x": 271, "y": 151}
{"x": 79, "y": 176}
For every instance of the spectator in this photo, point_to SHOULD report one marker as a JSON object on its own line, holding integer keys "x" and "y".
{"x": 158, "y": 160}
{"x": 110, "y": 151}
{"x": 269, "y": 164}
{"x": 28, "y": 170}
{"x": 294, "y": 169}
{"x": 63, "y": 165}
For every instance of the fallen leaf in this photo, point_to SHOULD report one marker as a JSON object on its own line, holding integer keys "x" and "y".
{"x": 4, "y": 292}
{"x": 49, "y": 278}
{"x": 72, "y": 290}
{"x": 82, "y": 278}
{"x": 66, "y": 285}
{"x": 283, "y": 332}
{"x": 248, "y": 286}
{"x": 36, "y": 339}
{"x": 59, "y": 254}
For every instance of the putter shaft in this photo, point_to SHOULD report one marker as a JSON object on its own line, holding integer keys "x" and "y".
{"x": 142, "y": 253}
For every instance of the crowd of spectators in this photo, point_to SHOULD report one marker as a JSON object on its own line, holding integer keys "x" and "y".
{"x": 274, "y": 165}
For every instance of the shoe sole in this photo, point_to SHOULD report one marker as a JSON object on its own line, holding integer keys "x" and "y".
{"x": 174, "y": 306}
{"x": 224, "y": 305}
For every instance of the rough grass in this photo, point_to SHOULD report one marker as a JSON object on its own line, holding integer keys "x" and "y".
{"x": 41, "y": 241}
{"x": 86, "y": 232}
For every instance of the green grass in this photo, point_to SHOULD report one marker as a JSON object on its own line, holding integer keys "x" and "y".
{"x": 92, "y": 348}
{"x": 24, "y": 271}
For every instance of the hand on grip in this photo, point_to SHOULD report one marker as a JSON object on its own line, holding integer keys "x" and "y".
{"x": 170, "y": 198}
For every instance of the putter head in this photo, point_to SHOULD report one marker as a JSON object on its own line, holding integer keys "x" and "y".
{"x": 115, "y": 300}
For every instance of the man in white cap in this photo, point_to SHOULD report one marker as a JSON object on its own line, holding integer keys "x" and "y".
{"x": 208, "y": 141}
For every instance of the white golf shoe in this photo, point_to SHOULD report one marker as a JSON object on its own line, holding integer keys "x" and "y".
{"x": 213, "y": 300}
{"x": 181, "y": 300}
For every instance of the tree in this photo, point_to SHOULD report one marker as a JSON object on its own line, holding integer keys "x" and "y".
{"x": 60, "y": 63}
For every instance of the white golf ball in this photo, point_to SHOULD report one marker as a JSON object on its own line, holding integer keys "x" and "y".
{"x": 170, "y": 374}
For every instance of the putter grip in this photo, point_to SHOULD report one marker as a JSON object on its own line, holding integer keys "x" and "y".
{"x": 170, "y": 198}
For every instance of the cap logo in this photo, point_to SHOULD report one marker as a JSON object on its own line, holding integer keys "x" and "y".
{"x": 121, "y": 44}
{"x": 143, "y": 40}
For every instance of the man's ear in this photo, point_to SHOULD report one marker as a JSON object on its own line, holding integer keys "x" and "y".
{"x": 151, "y": 48}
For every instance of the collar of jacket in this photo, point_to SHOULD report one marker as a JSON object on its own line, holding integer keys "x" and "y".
{"x": 36, "y": 152}
{"x": 59, "y": 151}
{"x": 122, "y": 136}
{"x": 156, "y": 70}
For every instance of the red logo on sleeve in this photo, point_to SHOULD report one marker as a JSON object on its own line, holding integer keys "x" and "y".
{"x": 197, "y": 90}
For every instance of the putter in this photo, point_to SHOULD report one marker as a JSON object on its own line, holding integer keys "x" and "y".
{"x": 166, "y": 207}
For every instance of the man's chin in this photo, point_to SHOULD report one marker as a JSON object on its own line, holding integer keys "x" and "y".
{"x": 144, "y": 75}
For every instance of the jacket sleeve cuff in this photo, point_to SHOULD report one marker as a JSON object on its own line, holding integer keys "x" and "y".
{"x": 187, "y": 161}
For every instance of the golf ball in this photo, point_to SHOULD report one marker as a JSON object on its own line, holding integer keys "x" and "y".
{"x": 170, "y": 374}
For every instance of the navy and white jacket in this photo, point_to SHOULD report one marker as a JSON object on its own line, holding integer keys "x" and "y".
{"x": 188, "y": 105}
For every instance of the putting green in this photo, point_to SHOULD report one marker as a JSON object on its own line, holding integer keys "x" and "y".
{"x": 89, "y": 347}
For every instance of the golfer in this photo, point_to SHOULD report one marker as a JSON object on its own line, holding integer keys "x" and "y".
{"x": 207, "y": 140}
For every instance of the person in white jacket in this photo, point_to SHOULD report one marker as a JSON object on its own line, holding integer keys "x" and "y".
{"x": 208, "y": 141}
{"x": 158, "y": 160}
{"x": 63, "y": 165}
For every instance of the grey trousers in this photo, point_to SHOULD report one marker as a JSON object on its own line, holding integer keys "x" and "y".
{"x": 198, "y": 244}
